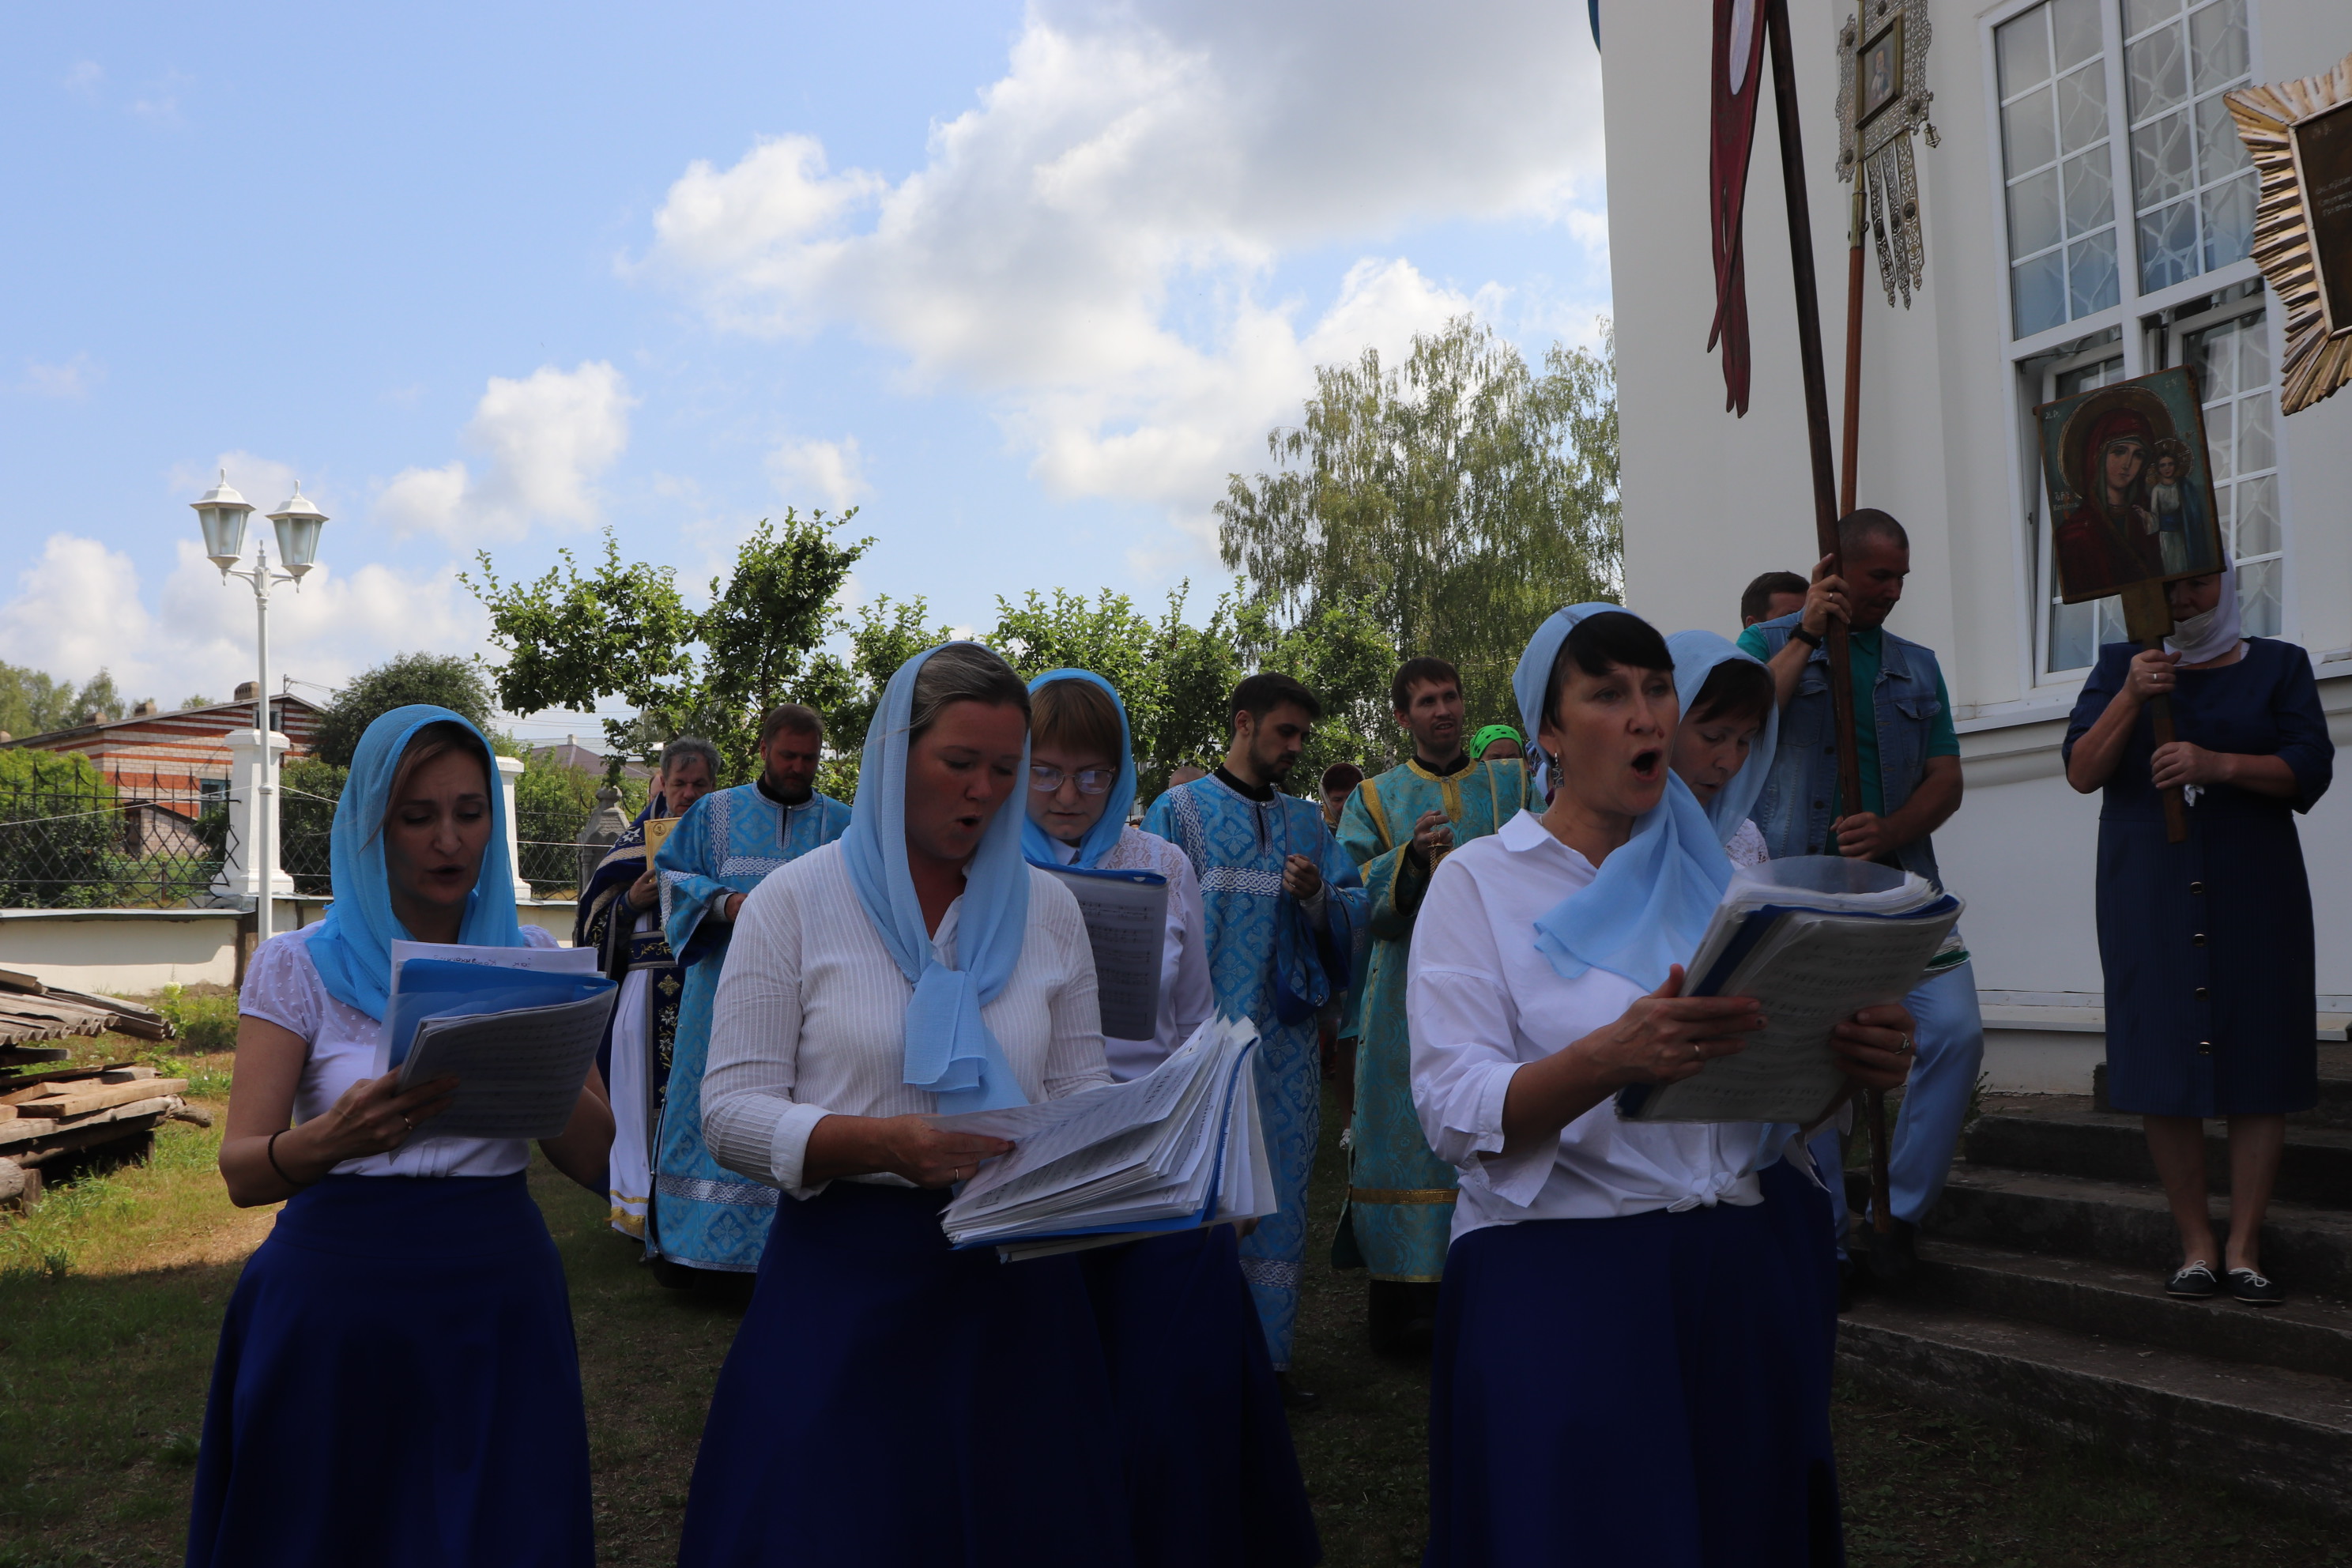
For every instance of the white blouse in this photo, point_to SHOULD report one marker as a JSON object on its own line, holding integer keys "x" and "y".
{"x": 282, "y": 988}
{"x": 1186, "y": 996}
{"x": 1481, "y": 1003}
{"x": 810, "y": 1019}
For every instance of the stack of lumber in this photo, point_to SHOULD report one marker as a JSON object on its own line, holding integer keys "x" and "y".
{"x": 43, "y": 1115}
{"x": 31, "y": 1011}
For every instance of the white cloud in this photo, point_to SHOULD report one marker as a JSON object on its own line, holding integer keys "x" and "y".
{"x": 544, "y": 441}
{"x": 83, "y": 79}
{"x": 1091, "y": 247}
{"x": 78, "y": 607}
{"x": 833, "y": 471}
{"x": 73, "y": 380}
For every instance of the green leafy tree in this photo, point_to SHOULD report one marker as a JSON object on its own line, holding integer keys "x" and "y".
{"x": 443, "y": 680}
{"x": 61, "y": 831}
{"x": 1458, "y": 498}
{"x": 624, "y": 630}
{"x": 1343, "y": 655}
{"x": 883, "y": 636}
{"x": 32, "y": 704}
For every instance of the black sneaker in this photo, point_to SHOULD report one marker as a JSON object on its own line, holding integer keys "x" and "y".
{"x": 2194, "y": 1283}
{"x": 2255, "y": 1290}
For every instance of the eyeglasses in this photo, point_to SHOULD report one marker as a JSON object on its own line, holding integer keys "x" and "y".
{"x": 1091, "y": 781}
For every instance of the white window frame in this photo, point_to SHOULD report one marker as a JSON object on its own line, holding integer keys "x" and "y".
{"x": 2130, "y": 316}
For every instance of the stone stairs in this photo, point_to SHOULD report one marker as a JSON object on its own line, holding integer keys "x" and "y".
{"x": 2040, "y": 1300}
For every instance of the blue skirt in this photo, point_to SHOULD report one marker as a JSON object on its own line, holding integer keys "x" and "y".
{"x": 1211, "y": 1475}
{"x": 397, "y": 1384}
{"x": 1652, "y": 1389}
{"x": 893, "y": 1403}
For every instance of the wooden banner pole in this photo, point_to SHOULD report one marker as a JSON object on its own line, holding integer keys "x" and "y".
{"x": 1826, "y": 497}
{"x": 2148, "y": 621}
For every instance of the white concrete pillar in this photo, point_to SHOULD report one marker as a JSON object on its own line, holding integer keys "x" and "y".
{"x": 509, "y": 770}
{"x": 252, "y": 864}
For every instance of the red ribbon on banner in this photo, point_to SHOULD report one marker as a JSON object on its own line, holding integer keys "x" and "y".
{"x": 1739, "y": 70}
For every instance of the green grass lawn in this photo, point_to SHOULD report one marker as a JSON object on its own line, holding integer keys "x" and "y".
{"x": 111, "y": 1293}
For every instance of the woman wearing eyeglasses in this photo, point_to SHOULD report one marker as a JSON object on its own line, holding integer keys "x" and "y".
{"x": 1211, "y": 1475}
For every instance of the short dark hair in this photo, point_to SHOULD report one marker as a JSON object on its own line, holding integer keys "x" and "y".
{"x": 685, "y": 746}
{"x": 798, "y": 718}
{"x": 1869, "y": 522}
{"x": 1341, "y": 775}
{"x": 1598, "y": 642}
{"x": 1075, "y": 716}
{"x": 1736, "y": 689}
{"x": 1756, "y": 599}
{"x": 1261, "y": 694}
{"x": 1427, "y": 669}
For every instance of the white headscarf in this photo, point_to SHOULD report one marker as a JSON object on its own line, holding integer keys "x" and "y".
{"x": 2212, "y": 635}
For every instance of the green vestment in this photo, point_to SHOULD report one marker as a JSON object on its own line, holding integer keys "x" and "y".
{"x": 1400, "y": 1196}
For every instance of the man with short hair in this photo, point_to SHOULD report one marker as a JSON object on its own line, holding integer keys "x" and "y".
{"x": 1279, "y": 903}
{"x": 1910, "y": 759}
{"x": 1770, "y": 596}
{"x": 703, "y": 1214}
{"x": 1399, "y": 1206}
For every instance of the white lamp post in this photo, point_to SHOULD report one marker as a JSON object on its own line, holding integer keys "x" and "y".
{"x": 222, "y": 513}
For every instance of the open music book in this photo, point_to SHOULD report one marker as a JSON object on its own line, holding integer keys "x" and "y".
{"x": 1815, "y": 939}
{"x": 1126, "y": 919}
{"x": 1177, "y": 1148}
{"x": 517, "y": 1027}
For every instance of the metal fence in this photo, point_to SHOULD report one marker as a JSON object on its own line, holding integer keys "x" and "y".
{"x": 127, "y": 843}
{"x": 548, "y": 857}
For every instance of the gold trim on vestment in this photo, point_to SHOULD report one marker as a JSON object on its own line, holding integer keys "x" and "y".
{"x": 1403, "y": 1194}
{"x": 1372, "y": 809}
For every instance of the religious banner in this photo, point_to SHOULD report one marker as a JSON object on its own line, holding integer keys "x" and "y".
{"x": 1736, "y": 78}
{"x": 2299, "y": 134}
{"x": 1883, "y": 97}
{"x": 2131, "y": 493}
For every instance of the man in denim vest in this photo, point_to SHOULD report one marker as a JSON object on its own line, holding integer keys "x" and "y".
{"x": 1910, "y": 761}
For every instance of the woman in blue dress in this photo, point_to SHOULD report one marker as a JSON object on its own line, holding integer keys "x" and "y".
{"x": 397, "y": 1381}
{"x": 2206, "y": 944}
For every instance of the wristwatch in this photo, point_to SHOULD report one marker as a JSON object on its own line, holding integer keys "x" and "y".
{"x": 1803, "y": 635}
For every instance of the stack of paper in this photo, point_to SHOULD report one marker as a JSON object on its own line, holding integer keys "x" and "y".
{"x": 518, "y": 1028}
{"x": 1175, "y": 1150}
{"x": 1815, "y": 939}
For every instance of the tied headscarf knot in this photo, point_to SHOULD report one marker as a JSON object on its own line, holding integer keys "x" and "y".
{"x": 352, "y": 948}
{"x": 1648, "y": 905}
{"x": 950, "y": 1049}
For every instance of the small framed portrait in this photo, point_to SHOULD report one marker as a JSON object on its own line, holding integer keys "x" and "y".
{"x": 1878, "y": 72}
{"x": 2131, "y": 491}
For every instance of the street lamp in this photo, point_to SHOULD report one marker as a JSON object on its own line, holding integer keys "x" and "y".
{"x": 221, "y": 512}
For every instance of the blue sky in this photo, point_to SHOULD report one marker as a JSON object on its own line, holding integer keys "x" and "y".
{"x": 1022, "y": 283}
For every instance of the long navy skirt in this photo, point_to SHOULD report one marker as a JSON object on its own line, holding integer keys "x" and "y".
{"x": 397, "y": 1384}
{"x": 892, "y": 1404}
{"x": 1211, "y": 1474}
{"x": 1652, "y": 1389}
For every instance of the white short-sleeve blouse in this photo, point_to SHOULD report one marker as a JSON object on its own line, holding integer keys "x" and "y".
{"x": 282, "y": 988}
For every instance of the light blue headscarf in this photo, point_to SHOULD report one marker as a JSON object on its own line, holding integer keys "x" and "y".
{"x": 1039, "y": 844}
{"x": 352, "y": 948}
{"x": 1697, "y": 655}
{"x": 1648, "y": 907}
{"x": 950, "y": 1049}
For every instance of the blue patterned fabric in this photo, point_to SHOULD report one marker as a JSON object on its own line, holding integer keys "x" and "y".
{"x": 949, "y": 1047}
{"x": 352, "y": 948}
{"x": 703, "y": 1214}
{"x": 1259, "y": 966}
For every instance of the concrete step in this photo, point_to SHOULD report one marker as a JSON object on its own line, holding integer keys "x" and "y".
{"x": 2306, "y": 1249}
{"x": 2334, "y": 1107}
{"x": 2065, "y": 1137}
{"x": 2277, "y": 1434}
{"x": 2310, "y": 1334}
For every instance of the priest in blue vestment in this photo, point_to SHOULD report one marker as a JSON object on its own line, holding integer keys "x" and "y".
{"x": 1281, "y": 902}
{"x": 704, "y": 1215}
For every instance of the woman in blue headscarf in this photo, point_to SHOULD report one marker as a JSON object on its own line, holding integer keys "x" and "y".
{"x": 1632, "y": 1359}
{"x": 889, "y": 1401}
{"x": 397, "y": 1381}
{"x": 1211, "y": 1474}
{"x": 1730, "y": 727}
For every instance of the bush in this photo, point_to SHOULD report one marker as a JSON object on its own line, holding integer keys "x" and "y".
{"x": 204, "y": 1024}
{"x": 443, "y": 679}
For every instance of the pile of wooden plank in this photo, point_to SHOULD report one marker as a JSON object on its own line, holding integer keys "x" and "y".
{"x": 31, "y": 1011}
{"x": 45, "y": 1114}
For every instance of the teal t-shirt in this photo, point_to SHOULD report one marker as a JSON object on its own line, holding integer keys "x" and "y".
{"x": 1865, "y": 652}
